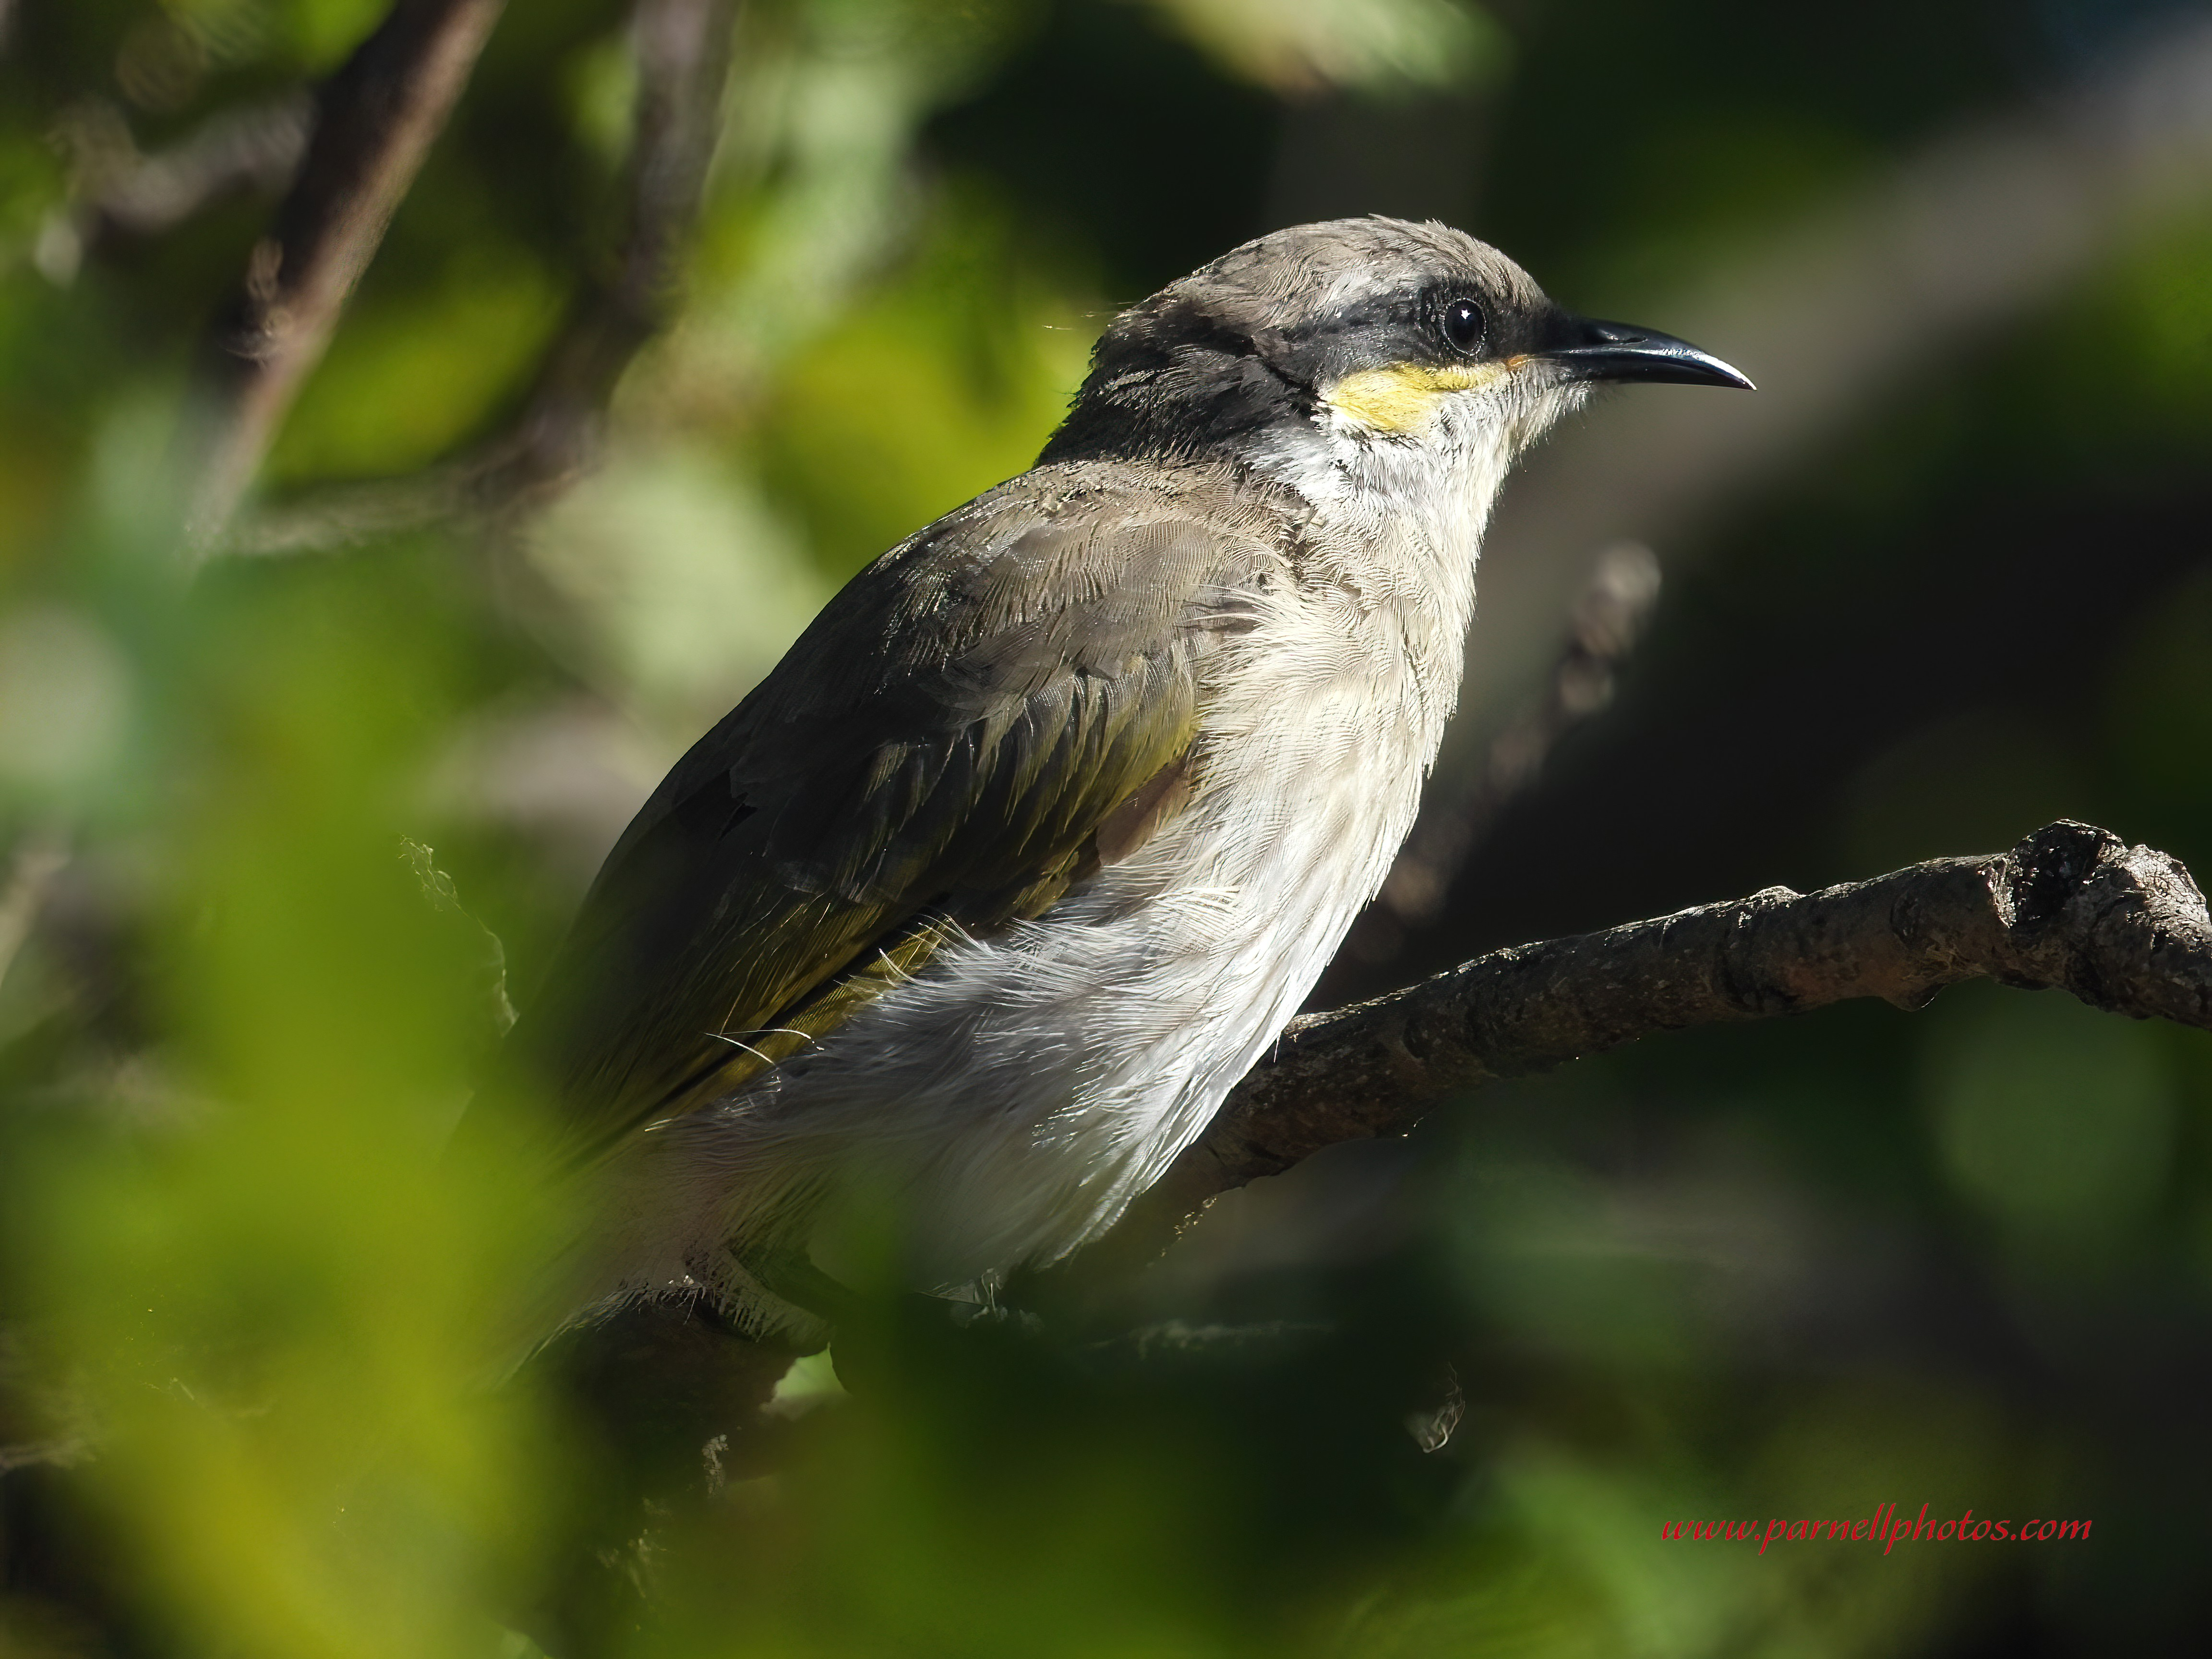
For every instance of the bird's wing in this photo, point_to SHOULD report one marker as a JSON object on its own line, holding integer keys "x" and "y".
{"x": 966, "y": 729}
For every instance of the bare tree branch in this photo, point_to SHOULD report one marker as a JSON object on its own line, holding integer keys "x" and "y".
{"x": 683, "y": 59}
{"x": 375, "y": 121}
{"x": 2124, "y": 928}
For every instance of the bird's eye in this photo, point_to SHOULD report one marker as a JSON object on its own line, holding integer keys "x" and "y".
{"x": 1463, "y": 325}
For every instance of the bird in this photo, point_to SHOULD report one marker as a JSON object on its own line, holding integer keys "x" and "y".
{"x": 935, "y": 952}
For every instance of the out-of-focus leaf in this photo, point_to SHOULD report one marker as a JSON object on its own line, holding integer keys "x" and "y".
{"x": 315, "y": 34}
{"x": 65, "y": 698}
{"x": 1370, "y": 45}
{"x": 817, "y": 184}
{"x": 945, "y": 382}
{"x": 408, "y": 378}
{"x": 688, "y": 587}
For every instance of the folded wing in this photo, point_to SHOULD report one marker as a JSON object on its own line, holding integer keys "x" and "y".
{"x": 941, "y": 750}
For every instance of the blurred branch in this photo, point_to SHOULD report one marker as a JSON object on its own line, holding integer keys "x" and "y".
{"x": 258, "y": 149}
{"x": 682, "y": 50}
{"x": 39, "y": 856}
{"x": 122, "y": 191}
{"x": 2124, "y": 928}
{"x": 374, "y": 122}
{"x": 52, "y": 1454}
{"x": 1610, "y": 615}
{"x": 683, "y": 68}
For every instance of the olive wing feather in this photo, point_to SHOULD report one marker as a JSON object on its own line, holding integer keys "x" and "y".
{"x": 939, "y": 750}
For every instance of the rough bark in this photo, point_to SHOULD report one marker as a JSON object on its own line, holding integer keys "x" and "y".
{"x": 2074, "y": 908}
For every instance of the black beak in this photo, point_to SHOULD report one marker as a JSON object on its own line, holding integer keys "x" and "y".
{"x": 1591, "y": 350}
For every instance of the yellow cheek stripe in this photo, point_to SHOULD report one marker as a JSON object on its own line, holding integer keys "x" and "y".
{"x": 1402, "y": 397}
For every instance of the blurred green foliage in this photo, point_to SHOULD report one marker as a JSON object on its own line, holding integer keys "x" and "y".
{"x": 248, "y": 1308}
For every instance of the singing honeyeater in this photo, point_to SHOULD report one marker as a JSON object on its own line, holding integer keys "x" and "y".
{"x": 944, "y": 943}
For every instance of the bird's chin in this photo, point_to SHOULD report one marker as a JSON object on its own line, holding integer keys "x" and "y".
{"x": 1543, "y": 404}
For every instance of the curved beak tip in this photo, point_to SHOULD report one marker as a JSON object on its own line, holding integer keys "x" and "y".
{"x": 1595, "y": 350}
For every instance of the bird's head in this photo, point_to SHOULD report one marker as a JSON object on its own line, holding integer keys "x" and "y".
{"x": 1376, "y": 334}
